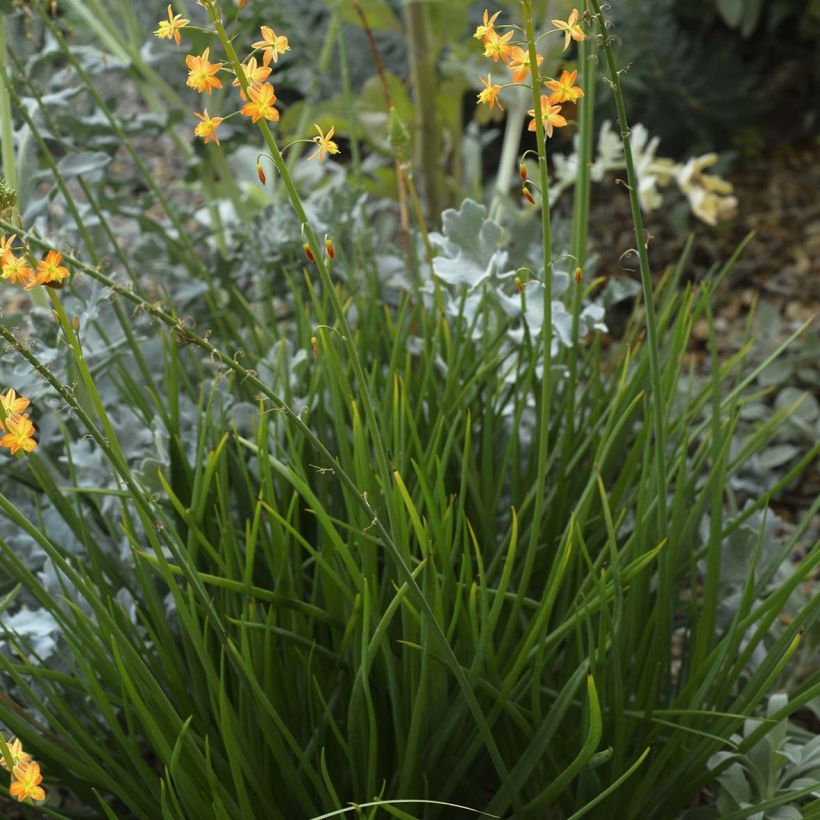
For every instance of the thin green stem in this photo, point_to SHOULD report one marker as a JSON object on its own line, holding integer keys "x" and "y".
{"x": 546, "y": 329}
{"x": 6, "y": 126}
{"x": 658, "y": 414}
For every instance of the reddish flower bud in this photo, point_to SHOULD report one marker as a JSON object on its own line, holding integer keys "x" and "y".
{"x": 261, "y": 172}
{"x": 522, "y": 171}
{"x": 528, "y": 195}
{"x": 578, "y": 275}
{"x": 518, "y": 284}
{"x": 308, "y": 252}
{"x": 329, "y": 249}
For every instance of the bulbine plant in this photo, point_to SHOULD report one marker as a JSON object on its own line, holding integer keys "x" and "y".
{"x": 431, "y": 550}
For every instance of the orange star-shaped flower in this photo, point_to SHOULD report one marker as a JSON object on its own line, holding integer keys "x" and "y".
{"x": 16, "y": 269}
{"x": 207, "y": 128}
{"x": 570, "y": 27}
{"x": 550, "y": 116}
{"x": 518, "y": 61}
{"x": 202, "y": 72}
{"x": 5, "y": 244}
{"x": 487, "y": 28}
{"x": 20, "y": 436}
{"x": 13, "y": 405}
{"x": 169, "y": 29}
{"x": 254, "y": 74}
{"x": 564, "y": 88}
{"x": 498, "y": 46}
{"x": 261, "y": 103}
{"x": 272, "y": 43}
{"x": 489, "y": 94}
{"x": 50, "y": 271}
{"x": 15, "y": 746}
{"x": 325, "y": 143}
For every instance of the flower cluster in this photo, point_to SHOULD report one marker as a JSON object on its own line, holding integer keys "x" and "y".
{"x": 17, "y": 270}
{"x": 499, "y": 46}
{"x": 17, "y": 427}
{"x": 255, "y": 89}
{"x": 25, "y": 773}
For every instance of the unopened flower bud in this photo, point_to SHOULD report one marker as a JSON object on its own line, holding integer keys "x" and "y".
{"x": 260, "y": 171}
{"x": 329, "y": 249}
{"x": 315, "y": 342}
{"x": 578, "y": 275}
{"x": 308, "y": 252}
{"x": 527, "y": 194}
{"x": 518, "y": 284}
{"x": 522, "y": 171}
{"x": 75, "y": 323}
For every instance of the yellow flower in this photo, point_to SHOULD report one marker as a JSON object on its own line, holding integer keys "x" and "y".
{"x": 261, "y": 104}
{"x": 273, "y": 44}
{"x": 207, "y": 128}
{"x": 15, "y": 269}
{"x": 483, "y": 31}
{"x": 325, "y": 143}
{"x": 5, "y": 244}
{"x": 169, "y": 29}
{"x": 570, "y": 27}
{"x": 564, "y": 88}
{"x": 489, "y": 94}
{"x": 20, "y": 436}
{"x": 201, "y": 72}
{"x": 549, "y": 115}
{"x": 50, "y": 271}
{"x": 518, "y": 61}
{"x": 26, "y": 781}
{"x": 15, "y": 747}
{"x": 496, "y": 46}
{"x": 254, "y": 74}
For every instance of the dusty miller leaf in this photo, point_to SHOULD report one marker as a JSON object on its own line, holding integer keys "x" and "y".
{"x": 469, "y": 245}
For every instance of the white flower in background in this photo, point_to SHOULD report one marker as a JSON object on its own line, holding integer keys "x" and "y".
{"x": 710, "y": 197}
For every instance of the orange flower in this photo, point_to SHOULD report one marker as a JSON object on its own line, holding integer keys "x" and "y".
{"x": 207, "y": 128}
{"x": 15, "y": 269}
{"x": 489, "y": 94}
{"x": 549, "y": 116}
{"x": 26, "y": 781}
{"x": 570, "y": 27}
{"x": 202, "y": 72}
{"x": 50, "y": 271}
{"x": 564, "y": 88}
{"x": 518, "y": 61}
{"x": 273, "y": 44}
{"x": 13, "y": 405}
{"x": 325, "y": 143}
{"x": 484, "y": 31}
{"x": 261, "y": 104}
{"x": 15, "y": 747}
{"x": 169, "y": 29}
{"x": 20, "y": 436}
{"x": 254, "y": 74}
{"x": 496, "y": 46}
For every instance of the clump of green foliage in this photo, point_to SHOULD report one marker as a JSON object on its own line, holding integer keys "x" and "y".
{"x": 397, "y": 531}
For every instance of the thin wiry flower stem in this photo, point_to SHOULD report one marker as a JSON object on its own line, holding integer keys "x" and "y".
{"x": 658, "y": 412}
{"x": 542, "y": 437}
